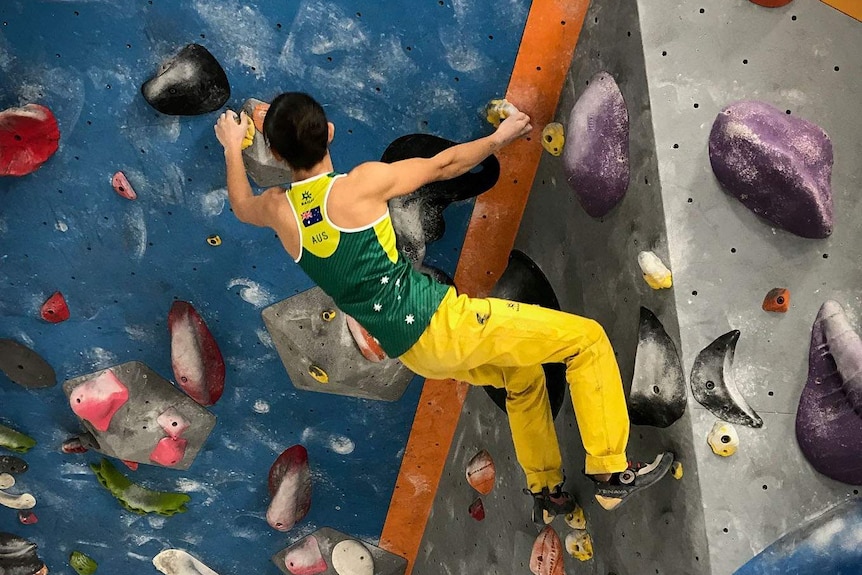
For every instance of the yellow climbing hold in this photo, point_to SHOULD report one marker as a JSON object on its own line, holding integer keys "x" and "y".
{"x": 328, "y": 315}
{"x": 318, "y": 374}
{"x": 214, "y": 240}
{"x": 576, "y": 519}
{"x": 499, "y": 110}
{"x": 248, "y": 139}
{"x": 676, "y": 469}
{"x": 656, "y": 274}
{"x": 553, "y": 138}
{"x": 579, "y": 544}
{"x": 723, "y": 439}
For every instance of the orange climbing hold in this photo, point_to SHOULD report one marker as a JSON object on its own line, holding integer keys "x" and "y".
{"x": 257, "y": 116}
{"x": 481, "y": 472}
{"x": 547, "y": 556}
{"x": 777, "y": 300}
{"x": 772, "y": 3}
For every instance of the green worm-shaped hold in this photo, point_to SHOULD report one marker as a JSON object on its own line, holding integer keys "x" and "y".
{"x": 135, "y": 498}
{"x": 15, "y": 440}
{"x": 82, "y": 564}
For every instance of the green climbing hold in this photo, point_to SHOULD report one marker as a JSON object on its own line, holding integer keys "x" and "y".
{"x": 15, "y": 440}
{"x": 82, "y": 564}
{"x": 135, "y": 498}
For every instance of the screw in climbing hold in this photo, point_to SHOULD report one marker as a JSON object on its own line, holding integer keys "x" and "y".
{"x": 318, "y": 373}
{"x": 214, "y": 240}
{"x": 328, "y": 315}
{"x": 553, "y": 138}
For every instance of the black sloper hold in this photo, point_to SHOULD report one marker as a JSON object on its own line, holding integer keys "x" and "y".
{"x": 188, "y": 84}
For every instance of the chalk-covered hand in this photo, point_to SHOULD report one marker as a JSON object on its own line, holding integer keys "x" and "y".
{"x": 515, "y": 126}
{"x": 230, "y": 132}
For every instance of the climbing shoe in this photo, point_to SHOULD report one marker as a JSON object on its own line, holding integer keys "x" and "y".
{"x": 547, "y": 504}
{"x": 614, "y": 492}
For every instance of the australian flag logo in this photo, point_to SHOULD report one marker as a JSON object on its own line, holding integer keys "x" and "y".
{"x": 311, "y": 217}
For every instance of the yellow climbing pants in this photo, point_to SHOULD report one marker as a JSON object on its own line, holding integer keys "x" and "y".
{"x": 489, "y": 341}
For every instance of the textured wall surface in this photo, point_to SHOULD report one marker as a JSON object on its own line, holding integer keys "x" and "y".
{"x": 382, "y": 70}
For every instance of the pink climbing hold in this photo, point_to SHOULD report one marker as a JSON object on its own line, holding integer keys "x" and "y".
{"x": 55, "y": 309}
{"x": 169, "y": 451}
{"x": 123, "y": 187}
{"x": 195, "y": 356}
{"x": 97, "y": 400}
{"x": 305, "y": 558}
{"x": 28, "y": 137}
{"x": 290, "y": 489}
{"x": 172, "y": 423}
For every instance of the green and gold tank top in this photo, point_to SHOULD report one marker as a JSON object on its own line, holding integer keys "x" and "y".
{"x": 362, "y": 270}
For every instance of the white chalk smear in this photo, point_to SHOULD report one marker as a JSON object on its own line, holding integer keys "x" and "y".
{"x": 338, "y": 443}
{"x": 341, "y": 444}
{"x": 260, "y": 406}
{"x": 99, "y": 357}
{"x": 264, "y": 338}
{"x": 212, "y": 203}
{"x": 243, "y": 28}
{"x": 135, "y": 235}
{"x": 61, "y": 226}
{"x": 252, "y": 292}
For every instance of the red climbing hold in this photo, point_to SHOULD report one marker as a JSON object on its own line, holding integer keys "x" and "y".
{"x": 74, "y": 445}
{"x": 55, "y": 309}
{"x": 27, "y": 517}
{"x": 772, "y": 3}
{"x": 133, "y": 465}
{"x": 123, "y": 187}
{"x": 195, "y": 356}
{"x": 28, "y": 137}
{"x": 477, "y": 509}
{"x": 97, "y": 400}
{"x": 169, "y": 451}
{"x": 290, "y": 489}
{"x": 367, "y": 343}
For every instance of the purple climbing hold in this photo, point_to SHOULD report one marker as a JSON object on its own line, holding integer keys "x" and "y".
{"x": 779, "y": 166}
{"x": 829, "y": 418}
{"x": 596, "y": 152}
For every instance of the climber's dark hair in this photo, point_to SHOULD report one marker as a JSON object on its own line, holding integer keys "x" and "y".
{"x": 295, "y": 127}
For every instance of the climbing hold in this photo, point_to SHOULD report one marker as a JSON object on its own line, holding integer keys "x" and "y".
{"x": 498, "y": 110}
{"x": 305, "y": 558}
{"x": 22, "y": 501}
{"x": 98, "y": 400}
{"x": 195, "y": 356}
{"x": 12, "y": 464}
{"x": 18, "y": 556}
{"x": 524, "y": 282}
{"x": 214, "y": 240}
{"x": 55, "y": 309}
{"x": 24, "y": 366}
{"x": 258, "y": 114}
{"x": 290, "y": 489}
{"x": 481, "y": 472}
{"x": 596, "y": 153}
{"x": 714, "y": 387}
{"x": 777, "y": 299}
{"x": 179, "y": 562}
{"x": 15, "y": 440}
{"x": 477, "y": 509}
{"x": 658, "y": 394}
{"x": 190, "y": 83}
{"x": 772, "y": 3}
{"x": 829, "y": 418}
{"x": 367, "y": 343}
{"x": 27, "y": 517}
{"x": 328, "y": 315}
{"x": 350, "y": 557}
{"x": 676, "y": 470}
{"x": 169, "y": 451}
{"x": 82, "y": 564}
{"x": 553, "y": 138}
{"x": 135, "y": 498}
{"x": 133, "y": 465}
{"x": 779, "y": 166}
{"x": 6, "y": 481}
{"x": 723, "y": 439}
{"x": 547, "y": 555}
{"x": 172, "y": 422}
{"x": 248, "y": 139}
{"x": 579, "y": 545}
{"x": 28, "y": 137}
{"x": 123, "y": 187}
{"x": 576, "y": 518}
{"x": 318, "y": 373}
{"x": 655, "y": 273}
{"x": 74, "y": 445}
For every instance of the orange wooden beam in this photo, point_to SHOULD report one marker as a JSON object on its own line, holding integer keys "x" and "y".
{"x": 852, "y": 8}
{"x": 545, "y": 54}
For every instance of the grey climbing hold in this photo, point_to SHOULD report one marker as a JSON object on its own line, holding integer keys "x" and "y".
{"x": 713, "y": 386}
{"x": 260, "y": 164}
{"x": 778, "y": 165}
{"x": 596, "y": 152}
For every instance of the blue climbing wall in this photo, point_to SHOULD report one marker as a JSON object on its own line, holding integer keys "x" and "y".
{"x": 382, "y": 69}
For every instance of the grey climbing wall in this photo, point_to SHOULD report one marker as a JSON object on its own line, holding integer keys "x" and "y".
{"x": 802, "y": 58}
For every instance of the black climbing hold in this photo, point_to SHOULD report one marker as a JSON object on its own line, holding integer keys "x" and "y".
{"x": 13, "y": 465}
{"x": 524, "y": 282}
{"x": 18, "y": 556}
{"x": 418, "y": 217}
{"x": 24, "y": 366}
{"x": 188, "y": 84}
{"x": 658, "y": 392}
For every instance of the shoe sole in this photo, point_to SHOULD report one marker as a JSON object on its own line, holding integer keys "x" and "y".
{"x": 611, "y": 503}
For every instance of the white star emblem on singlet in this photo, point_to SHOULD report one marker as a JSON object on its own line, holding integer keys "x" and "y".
{"x": 384, "y": 280}
{"x": 377, "y": 307}
{"x": 409, "y": 319}
{"x": 398, "y": 282}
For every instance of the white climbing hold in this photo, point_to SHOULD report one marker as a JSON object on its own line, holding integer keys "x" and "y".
{"x": 350, "y": 557}
{"x": 723, "y": 439}
{"x": 6, "y": 481}
{"x": 655, "y": 272}
{"x": 23, "y": 501}
{"x": 179, "y": 562}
